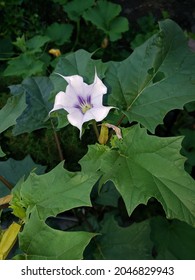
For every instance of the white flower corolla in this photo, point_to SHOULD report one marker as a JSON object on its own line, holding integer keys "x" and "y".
{"x": 83, "y": 102}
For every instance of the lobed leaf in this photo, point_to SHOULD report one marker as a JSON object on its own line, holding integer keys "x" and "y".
{"x": 105, "y": 16}
{"x": 141, "y": 167}
{"x": 37, "y": 90}
{"x": 156, "y": 78}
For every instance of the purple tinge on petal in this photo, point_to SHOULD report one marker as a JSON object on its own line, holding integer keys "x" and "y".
{"x": 81, "y": 100}
{"x": 89, "y": 99}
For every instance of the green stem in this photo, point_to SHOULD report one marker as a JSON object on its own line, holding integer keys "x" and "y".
{"x": 96, "y": 129}
{"x": 57, "y": 142}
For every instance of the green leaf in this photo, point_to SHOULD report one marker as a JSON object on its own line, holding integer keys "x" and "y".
{"x": 54, "y": 192}
{"x": 141, "y": 167}
{"x": 2, "y": 154}
{"x": 35, "y": 43}
{"x": 173, "y": 240}
{"x": 12, "y": 170}
{"x": 47, "y": 195}
{"x": 156, "y": 78}
{"x": 59, "y": 33}
{"x": 24, "y": 65}
{"x": 11, "y": 111}
{"x": 104, "y": 15}
{"x": 39, "y": 241}
{"x": 38, "y": 106}
{"x": 129, "y": 243}
{"x": 76, "y": 8}
{"x": 77, "y": 63}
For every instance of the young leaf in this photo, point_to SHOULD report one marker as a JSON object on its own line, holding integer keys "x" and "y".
{"x": 156, "y": 78}
{"x": 105, "y": 16}
{"x": 142, "y": 168}
{"x": 37, "y": 91}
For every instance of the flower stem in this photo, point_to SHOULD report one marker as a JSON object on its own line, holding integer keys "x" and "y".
{"x": 57, "y": 142}
{"x": 96, "y": 129}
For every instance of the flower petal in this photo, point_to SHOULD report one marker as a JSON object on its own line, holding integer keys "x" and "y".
{"x": 96, "y": 113}
{"x": 75, "y": 117}
{"x": 59, "y": 101}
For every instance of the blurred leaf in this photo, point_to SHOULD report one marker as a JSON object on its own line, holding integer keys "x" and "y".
{"x": 12, "y": 170}
{"x": 135, "y": 88}
{"x": 173, "y": 240}
{"x": 37, "y": 92}
{"x": 104, "y": 15}
{"x": 118, "y": 243}
{"x": 59, "y": 33}
{"x": 2, "y": 154}
{"x": 139, "y": 166}
{"x": 24, "y": 65}
{"x": 76, "y": 8}
{"x": 6, "y": 48}
{"x": 11, "y": 111}
{"x": 35, "y": 43}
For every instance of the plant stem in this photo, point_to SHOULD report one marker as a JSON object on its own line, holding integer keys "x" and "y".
{"x": 57, "y": 142}
{"x": 121, "y": 119}
{"x": 6, "y": 183}
{"x": 77, "y": 35}
{"x": 96, "y": 129}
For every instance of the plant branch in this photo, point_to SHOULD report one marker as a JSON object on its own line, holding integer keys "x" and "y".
{"x": 6, "y": 183}
{"x": 57, "y": 142}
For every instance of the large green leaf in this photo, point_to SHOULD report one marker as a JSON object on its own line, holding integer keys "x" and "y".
{"x": 173, "y": 240}
{"x": 54, "y": 192}
{"x": 47, "y": 195}
{"x": 129, "y": 243}
{"x": 11, "y": 111}
{"x": 105, "y": 16}
{"x": 143, "y": 166}
{"x": 159, "y": 76}
{"x": 37, "y": 91}
{"x": 39, "y": 241}
{"x": 78, "y": 63}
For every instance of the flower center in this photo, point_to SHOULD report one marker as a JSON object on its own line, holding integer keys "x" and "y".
{"x": 85, "y": 107}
